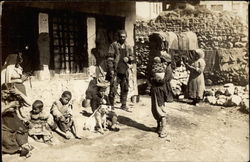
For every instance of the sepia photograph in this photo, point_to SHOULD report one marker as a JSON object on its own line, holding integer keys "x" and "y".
{"x": 106, "y": 80}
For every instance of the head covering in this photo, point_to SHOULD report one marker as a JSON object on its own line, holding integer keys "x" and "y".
{"x": 102, "y": 84}
{"x": 157, "y": 59}
{"x": 10, "y": 60}
{"x": 11, "y": 90}
{"x": 122, "y": 32}
{"x": 165, "y": 56}
{"x": 200, "y": 53}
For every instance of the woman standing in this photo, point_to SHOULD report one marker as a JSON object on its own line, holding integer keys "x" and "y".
{"x": 161, "y": 92}
{"x": 196, "y": 82}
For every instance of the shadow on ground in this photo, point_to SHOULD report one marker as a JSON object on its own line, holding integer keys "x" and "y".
{"x": 180, "y": 122}
{"x": 131, "y": 123}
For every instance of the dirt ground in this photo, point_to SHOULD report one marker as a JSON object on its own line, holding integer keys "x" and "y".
{"x": 204, "y": 133}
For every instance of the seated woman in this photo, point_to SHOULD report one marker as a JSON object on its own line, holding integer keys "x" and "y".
{"x": 14, "y": 127}
{"x": 12, "y": 73}
{"x": 41, "y": 123}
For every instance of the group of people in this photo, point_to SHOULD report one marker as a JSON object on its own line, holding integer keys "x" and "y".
{"x": 38, "y": 124}
{"x": 115, "y": 69}
{"x": 112, "y": 72}
{"x": 160, "y": 75}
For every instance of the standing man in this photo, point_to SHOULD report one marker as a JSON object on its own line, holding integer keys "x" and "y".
{"x": 123, "y": 57}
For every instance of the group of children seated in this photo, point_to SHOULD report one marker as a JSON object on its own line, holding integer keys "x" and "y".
{"x": 40, "y": 125}
{"x": 61, "y": 118}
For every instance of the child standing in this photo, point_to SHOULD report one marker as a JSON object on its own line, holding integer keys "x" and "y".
{"x": 62, "y": 112}
{"x": 100, "y": 99}
{"x": 41, "y": 123}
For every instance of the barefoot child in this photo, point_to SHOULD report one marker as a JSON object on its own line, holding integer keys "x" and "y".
{"x": 41, "y": 123}
{"x": 62, "y": 112}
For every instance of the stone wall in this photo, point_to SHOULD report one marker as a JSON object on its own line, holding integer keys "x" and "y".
{"x": 50, "y": 90}
{"x": 218, "y": 33}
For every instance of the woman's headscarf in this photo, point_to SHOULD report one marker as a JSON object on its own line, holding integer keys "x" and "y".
{"x": 12, "y": 59}
{"x": 200, "y": 53}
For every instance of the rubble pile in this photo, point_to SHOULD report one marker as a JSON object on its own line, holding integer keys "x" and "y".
{"x": 142, "y": 51}
{"x": 229, "y": 95}
{"x": 214, "y": 29}
{"x": 180, "y": 79}
{"x": 221, "y": 33}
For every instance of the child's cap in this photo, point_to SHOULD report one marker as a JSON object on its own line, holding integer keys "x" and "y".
{"x": 157, "y": 59}
{"x": 165, "y": 56}
{"x": 122, "y": 32}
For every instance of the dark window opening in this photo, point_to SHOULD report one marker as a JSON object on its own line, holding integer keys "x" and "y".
{"x": 19, "y": 29}
{"x": 68, "y": 32}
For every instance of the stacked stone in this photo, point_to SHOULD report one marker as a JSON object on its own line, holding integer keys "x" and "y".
{"x": 233, "y": 67}
{"x": 180, "y": 79}
{"x": 142, "y": 53}
{"x": 214, "y": 29}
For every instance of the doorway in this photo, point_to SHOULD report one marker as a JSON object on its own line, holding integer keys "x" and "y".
{"x": 106, "y": 33}
{"x": 19, "y": 34}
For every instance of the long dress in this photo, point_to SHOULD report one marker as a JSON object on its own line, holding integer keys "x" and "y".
{"x": 196, "y": 82}
{"x": 42, "y": 124}
{"x": 14, "y": 132}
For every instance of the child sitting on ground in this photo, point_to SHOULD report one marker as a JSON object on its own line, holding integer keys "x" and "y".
{"x": 41, "y": 123}
{"x": 101, "y": 100}
{"x": 62, "y": 112}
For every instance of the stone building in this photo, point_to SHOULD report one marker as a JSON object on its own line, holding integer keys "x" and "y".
{"x": 60, "y": 41}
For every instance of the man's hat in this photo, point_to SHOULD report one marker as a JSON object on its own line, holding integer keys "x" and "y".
{"x": 122, "y": 32}
{"x": 102, "y": 84}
